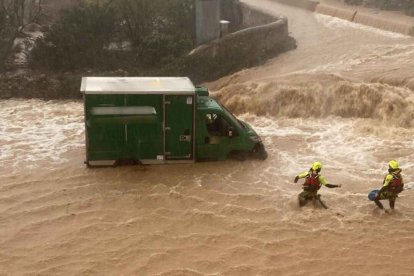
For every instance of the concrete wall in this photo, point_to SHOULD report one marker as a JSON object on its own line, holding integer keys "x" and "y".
{"x": 352, "y": 14}
{"x": 242, "y": 16}
{"x": 253, "y": 18}
{"x": 207, "y": 20}
{"x": 262, "y": 32}
{"x": 304, "y": 4}
{"x": 232, "y": 13}
{"x": 251, "y": 41}
{"x": 265, "y": 36}
{"x": 379, "y": 22}
{"x": 343, "y": 13}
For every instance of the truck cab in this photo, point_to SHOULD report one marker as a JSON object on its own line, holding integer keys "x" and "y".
{"x": 220, "y": 134}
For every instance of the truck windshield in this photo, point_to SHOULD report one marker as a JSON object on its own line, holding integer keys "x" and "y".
{"x": 232, "y": 117}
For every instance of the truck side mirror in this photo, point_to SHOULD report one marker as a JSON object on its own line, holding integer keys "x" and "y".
{"x": 230, "y": 131}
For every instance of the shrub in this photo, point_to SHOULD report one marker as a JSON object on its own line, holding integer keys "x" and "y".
{"x": 158, "y": 31}
{"x": 78, "y": 40}
{"x": 160, "y": 48}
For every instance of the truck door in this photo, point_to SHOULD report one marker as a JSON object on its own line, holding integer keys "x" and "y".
{"x": 179, "y": 127}
{"x": 216, "y": 140}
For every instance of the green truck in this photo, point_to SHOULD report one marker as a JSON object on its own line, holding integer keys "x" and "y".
{"x": 157, "y": 120}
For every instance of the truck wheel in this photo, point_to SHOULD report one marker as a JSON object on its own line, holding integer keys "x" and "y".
{"x": 239, "y": 155}
{"x": 259, "y": 152}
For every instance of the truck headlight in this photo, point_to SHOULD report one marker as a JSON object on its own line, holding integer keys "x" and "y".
{"x": 255, "y": 138}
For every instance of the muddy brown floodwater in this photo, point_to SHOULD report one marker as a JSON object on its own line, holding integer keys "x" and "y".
{"x": 342, "y": 98}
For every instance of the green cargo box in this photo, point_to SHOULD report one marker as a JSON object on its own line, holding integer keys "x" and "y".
{"x": 146, "y": 119}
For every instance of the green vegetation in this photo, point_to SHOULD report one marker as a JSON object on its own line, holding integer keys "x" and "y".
{"x": 84, "y": 37}
{"x": 126, "y": 37}
{"x": 78, "y": 40}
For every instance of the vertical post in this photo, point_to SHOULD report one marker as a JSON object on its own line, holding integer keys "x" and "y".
{"x": 207, "y": 20}
{"x": 224, "y": 27}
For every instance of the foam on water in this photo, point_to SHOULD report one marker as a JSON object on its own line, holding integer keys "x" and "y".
{"x": 34, "y": 130}
{"x": 344, "y": 146}
{"x": 161, "y": 215}
{"x": 268, "y": 126}
{"x": 341, "y": 24}
{"x": 320, "y": 96}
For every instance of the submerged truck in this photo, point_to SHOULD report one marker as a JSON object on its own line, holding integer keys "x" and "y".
{"x": 157, "y": 120}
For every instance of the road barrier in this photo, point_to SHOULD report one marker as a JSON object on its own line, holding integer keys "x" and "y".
{"x": 346, "y": 14}
{"x": 354, "y": 15}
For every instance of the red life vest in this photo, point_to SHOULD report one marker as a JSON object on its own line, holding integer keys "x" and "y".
{"x": 312, "y": 183}
{"x": 396, "y": 184}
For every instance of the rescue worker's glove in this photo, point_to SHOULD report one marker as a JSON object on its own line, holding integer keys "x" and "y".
{"x": 333, "y": 186}
{"x": 296, "y": 179}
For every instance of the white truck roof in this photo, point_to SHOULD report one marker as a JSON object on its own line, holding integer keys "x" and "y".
{"x": 137, "y": 85}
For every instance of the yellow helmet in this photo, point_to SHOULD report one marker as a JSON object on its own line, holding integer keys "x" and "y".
{"x": 393, "y": 164}
{"x": 316, "y": 166}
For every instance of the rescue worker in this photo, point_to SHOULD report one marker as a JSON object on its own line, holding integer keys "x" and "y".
{"x": 392, "y": 185}
{"x": 313, "y": 182}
